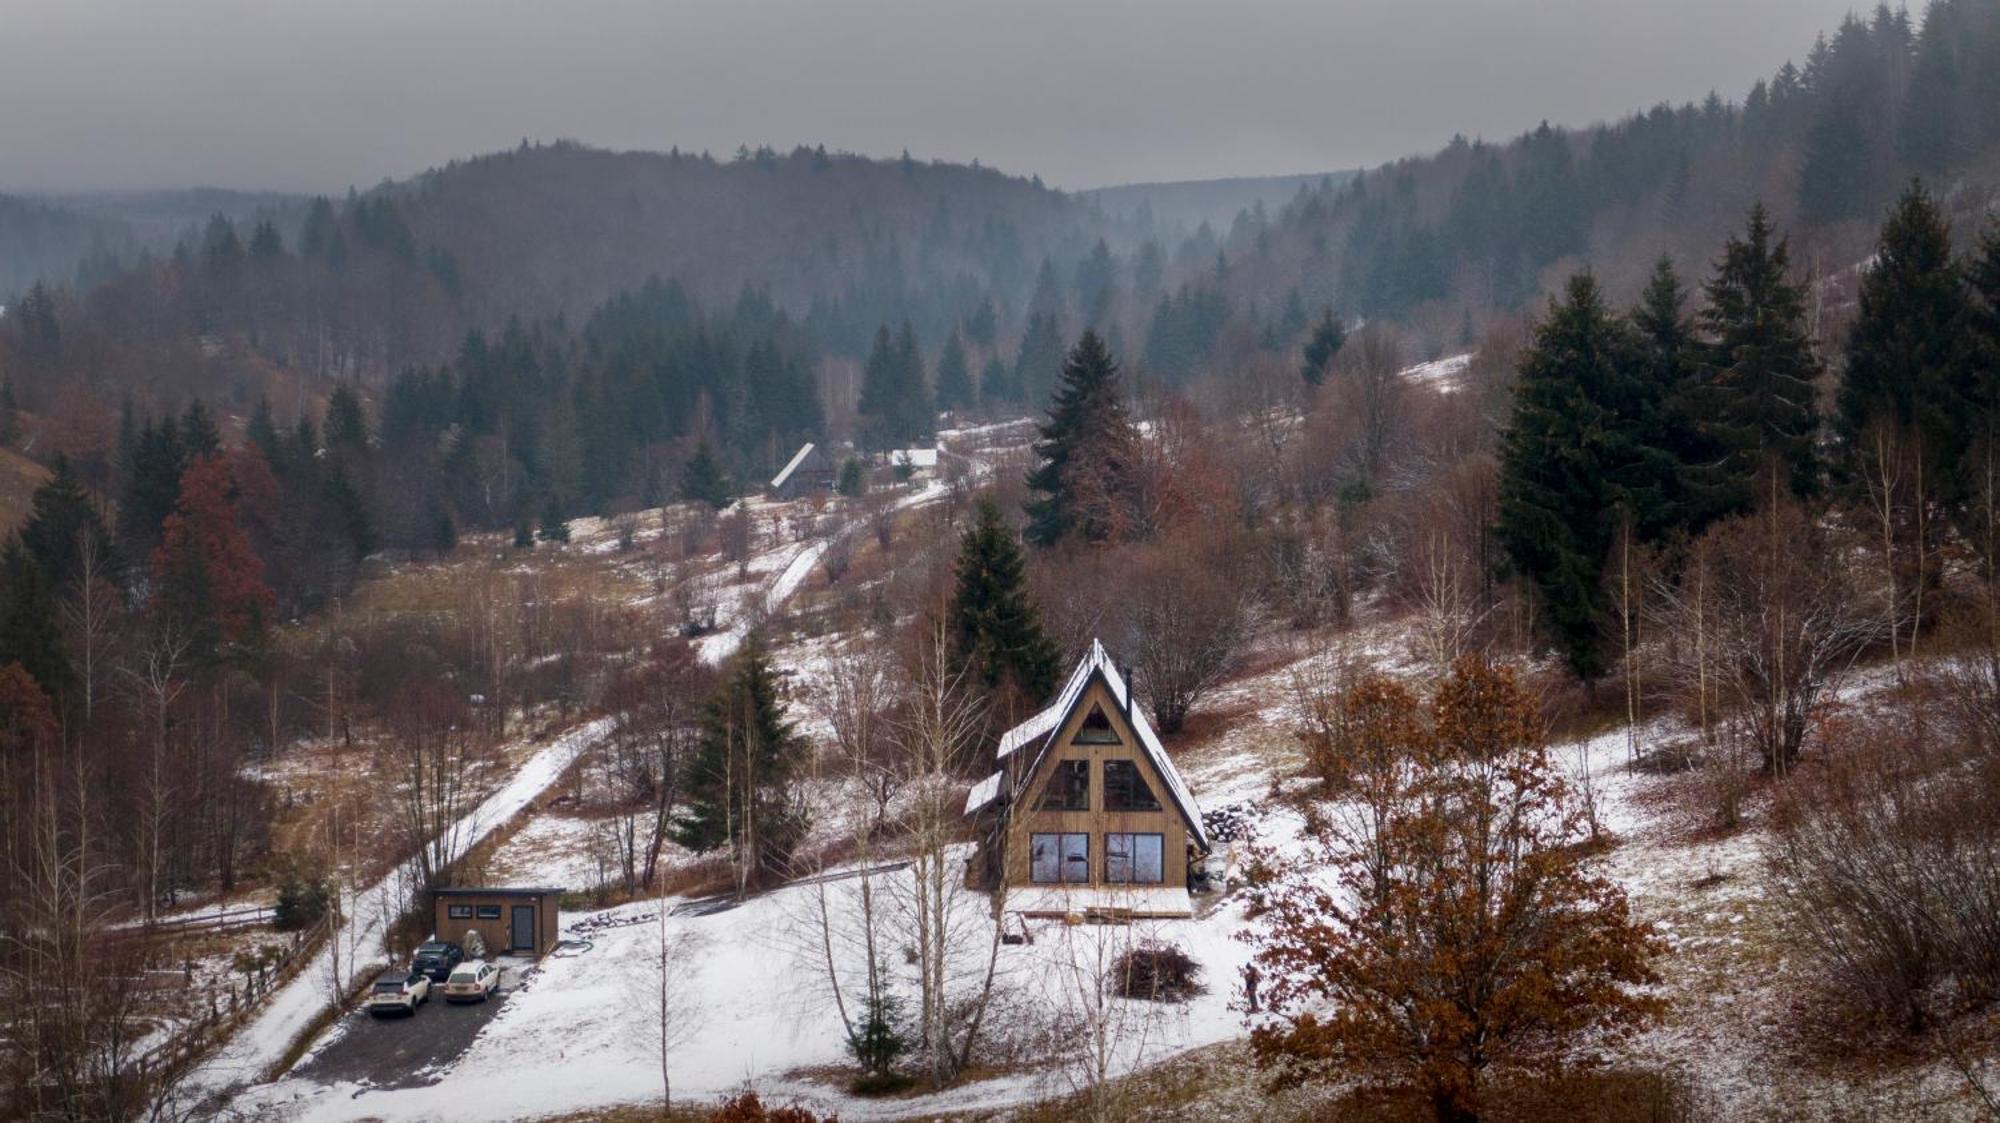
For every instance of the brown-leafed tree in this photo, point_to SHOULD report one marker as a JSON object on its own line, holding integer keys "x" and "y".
{"x": 1463, "y": 930}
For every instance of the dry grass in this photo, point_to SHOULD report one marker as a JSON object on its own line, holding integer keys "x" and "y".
{"x": 19, "y": 477}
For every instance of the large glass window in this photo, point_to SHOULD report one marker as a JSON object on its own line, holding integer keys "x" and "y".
{"x": 1134, "y": 859}
{"x": 1096, "y": 729}
{"x": 1125, "y": 789}
{"x": 1054, "y": 858}
{"x": 1069, "y": 787}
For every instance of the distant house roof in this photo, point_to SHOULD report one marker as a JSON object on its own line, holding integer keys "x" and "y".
{"x": 797, "y": 459}
{"x": 915, "y": 457}
{"x": 1040, "y": 730}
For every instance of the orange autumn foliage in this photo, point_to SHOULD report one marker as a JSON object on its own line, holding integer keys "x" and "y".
{"x": 1461, "y": 929}
{"x": 205, "y": 569}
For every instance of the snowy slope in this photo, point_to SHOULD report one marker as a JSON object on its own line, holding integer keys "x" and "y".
{"x": 263, "y": 1041}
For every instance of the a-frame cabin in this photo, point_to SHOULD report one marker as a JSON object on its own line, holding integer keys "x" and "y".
{"x": 1085, "y": 812}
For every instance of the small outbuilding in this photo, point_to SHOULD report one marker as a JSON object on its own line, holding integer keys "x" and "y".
{"x": 510, "y": 921}
{"x": 1086, "y": 814}
{"x": 810, "y": 471}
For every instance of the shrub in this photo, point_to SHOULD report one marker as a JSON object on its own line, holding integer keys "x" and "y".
{"x": 1156, "y": 972}
{"x": 747, "y": 1108}
{"x": 302, "y": 900}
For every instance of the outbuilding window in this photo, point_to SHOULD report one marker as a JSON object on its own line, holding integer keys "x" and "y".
{"x": 1134, "y": 859}
{"x": 489, "y": 912}
{"x": 459, "y": 912}
{"x": 1059, "y": 858}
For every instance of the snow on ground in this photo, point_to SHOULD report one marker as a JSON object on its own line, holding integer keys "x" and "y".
{"x": 263, "y": 1042}
{"x": 583, "y": 1035}
{"x": 1441, "y": 375}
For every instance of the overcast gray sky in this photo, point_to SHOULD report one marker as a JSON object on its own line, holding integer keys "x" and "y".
{"x": 320, "y": 94}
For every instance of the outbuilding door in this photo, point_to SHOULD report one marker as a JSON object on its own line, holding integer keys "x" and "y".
{"x": 524, "y": 928}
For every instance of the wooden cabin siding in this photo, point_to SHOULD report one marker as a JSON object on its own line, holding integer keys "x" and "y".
{"x": 1028, "y": 820}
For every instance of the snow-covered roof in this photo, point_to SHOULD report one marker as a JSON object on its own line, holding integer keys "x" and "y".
{"x": 1042, "y": 727}
{"x": 798, "y": 458}
{"x": 787, "y": 472}
{"x": 983, "y": 793}
{"x": 915, "y": 457}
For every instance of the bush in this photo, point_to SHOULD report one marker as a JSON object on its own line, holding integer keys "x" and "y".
{"x": 747, "y": 1108}
{"x": 302, "y": 901}
{"x": 1887, "y": 869}
{"x": 1156, "y": 972}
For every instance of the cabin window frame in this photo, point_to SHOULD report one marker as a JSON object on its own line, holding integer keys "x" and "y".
{"x": 1096, "y": 729}
{"x": 1069, "y": 782}
{"x": 1133, "y": 859}
{"x": 1139, "y": 784}
{"x": 458, "y": 912}
{"x": 1066, "y": 860}
{"x": 487, "y": 912}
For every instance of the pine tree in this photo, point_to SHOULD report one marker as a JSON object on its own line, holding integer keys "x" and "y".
{"x": 879, "y": 386}
{"x": 10, "y": 414}
{"x": 703, "y": 481}
{"x": 1328, "y": 337}
{"x": 62, "y": 524}
{"x": 198, "y": 432}
{"x": 1038, "y": 364}
{"x": 1757, "y": 397}
{"x": 1562, "y": 449}
{"x": 30, "y": 624}
{"x": 1089, "y": 451}
{"x": 738, "y": 787}
{"x": 1905, "y": 365}
{"x": 152, "y": 485}
{"x": 954, "y": 375}
{"x": 1096, "y": 282}
{"x": 1668, "y": 365}
{"x": 852, "y": 481}
{"x": 262, "y": 430}
{"x": 1834, "y": 177}
{"x": 995, "y": 626}
{"x": 345, "y": 426}
{"x": 553, "y": 528}
{"x": 915, "y": 419}
{"x": 996, "y": 383}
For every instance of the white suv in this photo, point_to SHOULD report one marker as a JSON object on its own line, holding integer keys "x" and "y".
{"x": 472, "y": 981}
{"x": 393, "y": 994}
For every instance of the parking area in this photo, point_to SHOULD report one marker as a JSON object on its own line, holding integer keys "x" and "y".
{"x": 407, "y": 1050}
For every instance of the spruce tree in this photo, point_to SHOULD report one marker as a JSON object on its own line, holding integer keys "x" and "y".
{"x": 346, "y": 426}
{"x": 703, "y": 481}
{"x": 915, "y": 420}
{"x": 1563, "y": 445}
{"x": 62, "y": 523}
{"x": 738, "y": 787}
{"x": 1905, "y": 362}
{"x": 1981, "y": 337}
{"x": 1038, "y": 363}
{"x": 1668, "y": 364}
{"x": 880, "y": 385}
{"x": 10, "y": 414}
{"x": 996, "y": 383}
{"x": 996, "y": 629}
{"x": 198, "y": 432}
{"x": 954, "y": 375}
{"x": 152, "y": 486}
{"x": 1757, "y": 399}
{"x": 1089, "y": 452}
{"x": 1328, "y": 337}
{"x": 30, "y": 625}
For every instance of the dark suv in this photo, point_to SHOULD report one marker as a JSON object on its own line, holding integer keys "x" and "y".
{"x": 435, "y": 960}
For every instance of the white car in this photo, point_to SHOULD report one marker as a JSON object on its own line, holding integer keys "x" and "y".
{"x": 472, "y": 981}
{"x": 399, "y": 993}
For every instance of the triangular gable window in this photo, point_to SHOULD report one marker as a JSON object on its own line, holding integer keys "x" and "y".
{"x": 1097, "y": 729}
